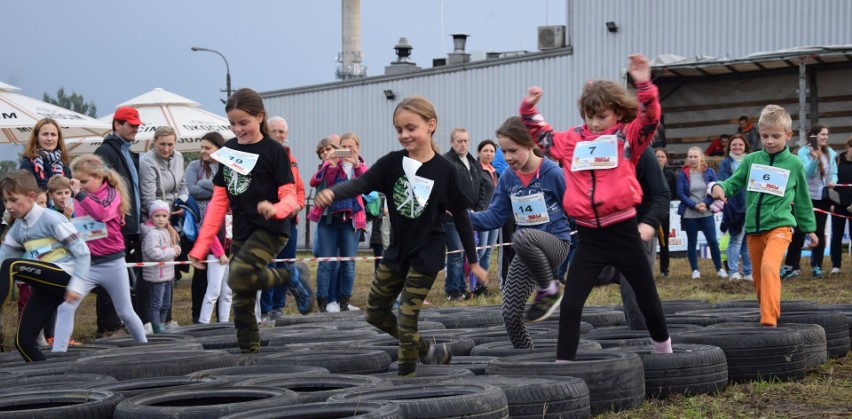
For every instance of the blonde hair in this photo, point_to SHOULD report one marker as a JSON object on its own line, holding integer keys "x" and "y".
{"x": 422, "y": 107}
{"x": 351, "y": 136}
{"x": 702, "y": 164}
{"x": 31, "y": 150}
{"x": 57, "y": 182}
{"x": 775, "y": 116}
{"x": 93, "y": 166}
{"x": 162, "y": 131}
{"x": 602, "y": 95}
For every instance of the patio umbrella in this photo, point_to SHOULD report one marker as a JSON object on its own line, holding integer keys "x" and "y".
{"x": 19, "y": 113}
{"x": 157, "y": 108}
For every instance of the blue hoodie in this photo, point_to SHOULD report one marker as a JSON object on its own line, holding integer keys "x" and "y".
{"x": 549, "y": 180}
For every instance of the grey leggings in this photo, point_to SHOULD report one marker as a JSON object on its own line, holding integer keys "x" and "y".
{"x": 112, "y": 276}
{"x": 538, "y": 255}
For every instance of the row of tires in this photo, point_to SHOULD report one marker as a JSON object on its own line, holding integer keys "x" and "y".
{"x": 338, "y": 366}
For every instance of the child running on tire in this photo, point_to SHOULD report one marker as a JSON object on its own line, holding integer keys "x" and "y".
{"x": 775, "y": 182}
{"x": 599, "y": 160}
{"x": 42, "y": 249}
{"x": 421, "y": 186}
{"x": 530, "y": 194}
{"x": 256, "y": 182}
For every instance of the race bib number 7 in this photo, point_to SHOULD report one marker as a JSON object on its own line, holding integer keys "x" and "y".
{"x": 599, "y": 154}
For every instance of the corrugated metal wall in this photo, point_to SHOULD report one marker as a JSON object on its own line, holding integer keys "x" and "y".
{"x": 480, "y": 96}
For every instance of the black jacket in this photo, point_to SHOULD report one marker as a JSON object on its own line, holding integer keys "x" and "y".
{"x": 471, "y": 180}
{"x": 655, "y": 190}
{"x": 110, "y": 152}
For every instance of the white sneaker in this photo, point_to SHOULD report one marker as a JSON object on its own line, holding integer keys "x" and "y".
{"x": 834, "y": 271}
{"x": 149, "y": 330}
{"x": 353, "y": 308}
{"x": 749, "y": 278}
{"x": 736, "y": 276}
{"x": 696, "y": 274}
{"x": 171, "y": 326}
{"x": 333, "y": 307}
{"x": 40, "y": 340}
{"x": 722, "y": 273}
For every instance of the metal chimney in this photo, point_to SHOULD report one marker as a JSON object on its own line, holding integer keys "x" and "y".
{"x": 458, "y": 56}
{"x": 402, "y": 64}
{"x": 351, "y": 56}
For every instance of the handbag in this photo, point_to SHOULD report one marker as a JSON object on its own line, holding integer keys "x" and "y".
{"x": 831, "y": 195}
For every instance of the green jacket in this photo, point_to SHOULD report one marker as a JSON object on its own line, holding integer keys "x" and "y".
{"x": 765, "y": 211}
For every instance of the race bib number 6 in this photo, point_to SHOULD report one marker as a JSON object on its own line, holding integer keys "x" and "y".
{"x": 768, "y": 179}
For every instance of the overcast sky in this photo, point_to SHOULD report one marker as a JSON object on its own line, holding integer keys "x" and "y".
{"x": 112, "y": 50}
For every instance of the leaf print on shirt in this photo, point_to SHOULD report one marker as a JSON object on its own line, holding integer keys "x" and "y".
{"x": 404, "y": 201}
{"x": 235, "y": 182}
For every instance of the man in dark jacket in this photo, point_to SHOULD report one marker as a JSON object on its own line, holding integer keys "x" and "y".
{"x": 115, "y": 151}
{"x": 649, "y": 214}
{"x": 470, "y": 179}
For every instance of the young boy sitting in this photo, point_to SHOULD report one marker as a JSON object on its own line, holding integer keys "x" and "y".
{"x": 774, "y": 180}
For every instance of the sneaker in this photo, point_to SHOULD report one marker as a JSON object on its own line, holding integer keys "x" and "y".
{"x": 544, "y": 305}
{"x": 834, "y": 271}
{"x": 736, "y": 277}
{"x": 455, "y": 296}
{"x": 721, "y": 273}
{"x": 664, "y": 274}
{"x": 171, "y": 326}
{"x": 696, "y": 274}
{"x": 353, "y": 308}
{"x": 149, "y": 330}
{"x": 816, "y": 272}
{"x": 788, "y": 272}
{"x": 333, "y": 307}
{"x": 266, "y": 321}
{"x": 303, "y": 294}
{"x": 437, "y": 354}
{"x": 276, "y": 314}
{"x": 749, "y": 278}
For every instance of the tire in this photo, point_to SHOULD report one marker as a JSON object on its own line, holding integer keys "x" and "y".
{"x": 476, "y": 364}
{"x": 616, "y": 379}
{"x": 504, "y": 349}
{"x": 324, "y": 318}
{"x": 205, "y": 329}
{"x": 131, "y": 388}
{"x": 529, "y": 398}
{"x": 209, "y": 403}
{"x": 675, "y": 306}
{"x": 359, "y": 410}
{"x": 835, "y": 325}
{"x": 616, "y": 338}
{"x": 734, "y": 314}
{"x": 59, "y": 404}
{"x": 55, "y": 366}
{"x": 247, "y": 372}
{"x": 54, "y": 382}
{"x": 697, "y": 320}
{"x": 690, "y": 370}
{"x": 788, "y": 305}
{"x": 459, "y": 346}
{"x": 158, "y": 339}
{"x": 602, "y": 318}
{"x": 281, "y": 337}
{"x": 813, "y": 336}
{"x": 499, "y": 334}
{"x": 315, "y": 388}
{"x": 124, "y": 366}
{"x": 437, "y": 400}
{"x": 553, "y": 324}
{"x": 342, "y": 361}
{"x": 223, "y": 342}
{"x": 756, "y": 353}
{"x": 445, "y": 370}
{"x": 474, "y": 320}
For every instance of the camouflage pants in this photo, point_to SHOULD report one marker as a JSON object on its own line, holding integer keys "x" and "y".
{"x": 386, "y": 286}
{"x": 249, "y": 272}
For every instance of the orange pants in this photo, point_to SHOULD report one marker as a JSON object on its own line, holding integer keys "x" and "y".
{"x": 767, "y": 253}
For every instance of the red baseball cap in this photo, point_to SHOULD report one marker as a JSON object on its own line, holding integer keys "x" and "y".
{"x": 127, "y": 114}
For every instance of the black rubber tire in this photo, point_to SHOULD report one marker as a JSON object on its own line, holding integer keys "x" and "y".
{"x": 504, "y": 349}
{"x": 476, "y": 364}
{"x": 356, "y": 410}
{"x": 281, "y": 337}
{"x": 602, "y": 318}
{"x": 124, "y": 366}
{"x": 340, "y": 361}
{"x": 223, "y": 341}
{"x": 553, "y": 324}
{"x": 459, "y": 345}
{"x": 315, "y": 388}
{"x": 437, "y": 400}
{"x": 59, "y": 404}
{"x": 689, "y": 370}
{"x": 158, "y": 339}
{"x": 499, "y": 334}
{"x": 786, "y": 305}
{"x": 473, "y": 320}
{"x": 208, "y": 403}
{"x": 698, "y": 320}
{"x": 675, "y": 306}
{"x": 53, "y": 366}
{"x": 324, "y": 318}
{"x": 813, "y": 336}
{"x": 833, "y": 322}
{"x": 617, "y": 337}
{"x": 445, "y": 370}
{"x": 616, "y": 379}
{"x": 734, "y": 314}
{"x": 530, "y": 398}
{"x": 206, "y": 329}
{"x": 54, "y": 382}
{"x": 241, "y": 373}
{"x": 754, "y": 353}
{"x": 131, "y": 388}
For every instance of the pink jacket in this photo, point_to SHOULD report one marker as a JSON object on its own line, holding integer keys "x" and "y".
{"x": 102, "y": 205}
{"x": 328, "y": 176}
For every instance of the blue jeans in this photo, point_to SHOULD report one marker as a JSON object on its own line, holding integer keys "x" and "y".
{"x": 706, "y": 225}
{"x": 339, "y": 238}
{"x": 455, "y": 280}
{"x": 161, "y": 300}
{"x": 275, "y": 298}
{"x": 737, "y": 247}
{"x": 486, "y": 238}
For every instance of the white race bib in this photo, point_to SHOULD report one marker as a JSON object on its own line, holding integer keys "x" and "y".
{"x": 768, "y": 179}
{"x": 530, "y": 210}
{"x": 239, "y": 161}
{"x": 88, "y": 228}
{"x": 602, "y": 153}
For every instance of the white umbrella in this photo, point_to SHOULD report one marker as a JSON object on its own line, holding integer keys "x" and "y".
{"x": 160, "y": 107}
{"x": 19, "y": 113}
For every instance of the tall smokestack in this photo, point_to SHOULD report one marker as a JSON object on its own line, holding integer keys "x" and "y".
{"x": 351, "y": 56}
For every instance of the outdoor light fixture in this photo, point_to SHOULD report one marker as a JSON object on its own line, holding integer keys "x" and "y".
{"x": 612, "y": 27}
{"x": 390, "y": 95}
{"x": 227, "y": 67}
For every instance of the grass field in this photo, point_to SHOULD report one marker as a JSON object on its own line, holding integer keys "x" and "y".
{"x": 825, "y": 393}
